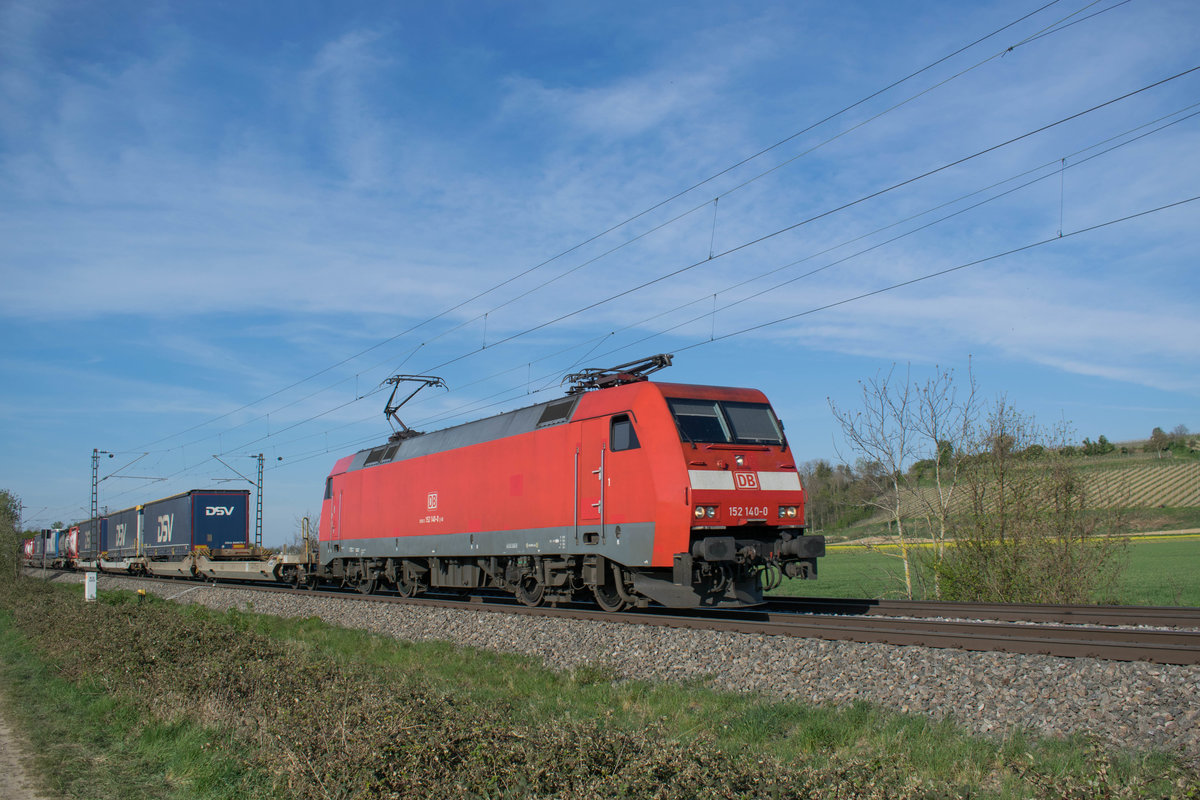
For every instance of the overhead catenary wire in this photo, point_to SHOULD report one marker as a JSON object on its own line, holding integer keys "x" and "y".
{"x": 912, "y": 231}
{"x": 474, "y": 407}
{"x": 485, "y": 346}
{"x": 758, "y": 176}
{"x": 625, "y": 222}
{"x": 946, "y": 271}
{"x": 906, "y": 233}
{"x": 822, "y": 215}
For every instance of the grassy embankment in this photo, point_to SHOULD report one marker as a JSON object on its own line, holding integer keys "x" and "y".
{"x": 1161, "y": 571}
{"x": 149, "y": 699}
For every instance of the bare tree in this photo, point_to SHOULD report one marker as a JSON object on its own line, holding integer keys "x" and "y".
{"x": 883, "y": 431}
{"x": 910, "y": 430}
{"x": 295, "y": 544}
{"x": 944, "y": 422}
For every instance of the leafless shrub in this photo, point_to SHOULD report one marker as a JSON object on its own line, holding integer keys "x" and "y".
{"x": 1027, "y": 535}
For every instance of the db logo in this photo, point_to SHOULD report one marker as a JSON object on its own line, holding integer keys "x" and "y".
{"x": 431, "y": 501}
{"x": 745, "y": 480}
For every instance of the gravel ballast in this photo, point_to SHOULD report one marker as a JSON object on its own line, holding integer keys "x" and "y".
{"x": 1125, "y": 704}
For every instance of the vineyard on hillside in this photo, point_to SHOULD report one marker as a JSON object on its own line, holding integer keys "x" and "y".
{"x": 1146, "y": 483}
{"x": 1169, "y": 485}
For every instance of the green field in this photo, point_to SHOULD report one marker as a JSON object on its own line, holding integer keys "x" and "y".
{"x": 1160, "y": 571}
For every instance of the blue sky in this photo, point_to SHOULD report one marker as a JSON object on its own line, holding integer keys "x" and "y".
{"x": 223, "y": 225}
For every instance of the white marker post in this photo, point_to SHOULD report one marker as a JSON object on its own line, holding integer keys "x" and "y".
{"x": 89, "y": 587}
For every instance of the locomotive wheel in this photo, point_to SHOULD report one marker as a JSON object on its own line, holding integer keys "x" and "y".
{"x": 530, "y": 591}
{"x": 367, "y": 585}
{"x": 608, "y": 599}
{"x": 407, "y": 588}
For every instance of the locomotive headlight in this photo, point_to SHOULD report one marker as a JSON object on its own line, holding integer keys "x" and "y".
{"x": 740, "y": 460}
{"x": 787, "y": 511}
{"x": 711, "y": 511}
{"x": 699, "y": 512}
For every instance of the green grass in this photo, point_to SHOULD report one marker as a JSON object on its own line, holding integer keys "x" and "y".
{"x": 1160, "y": 571}
{"x": 90, "y": 744}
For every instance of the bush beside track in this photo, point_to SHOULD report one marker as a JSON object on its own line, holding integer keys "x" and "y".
{"x": 295, "y": 718}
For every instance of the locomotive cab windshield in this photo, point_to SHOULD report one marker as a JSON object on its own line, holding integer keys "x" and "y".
{"x": 726, "y": 422}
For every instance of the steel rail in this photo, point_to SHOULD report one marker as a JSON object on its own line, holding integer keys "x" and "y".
{"x": 1152, "y": 616}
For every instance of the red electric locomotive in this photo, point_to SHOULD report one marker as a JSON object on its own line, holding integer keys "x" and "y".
{"x": 632, "y": 490}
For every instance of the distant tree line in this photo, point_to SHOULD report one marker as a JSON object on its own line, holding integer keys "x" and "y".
{"x": 11, "y": 540}
{"x": 1178, "y": 442}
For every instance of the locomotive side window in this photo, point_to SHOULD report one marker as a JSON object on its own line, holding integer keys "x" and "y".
{"x": 623, "y": 436}
{"x": 726, "y": 422}
{"x": 556, "y": 413}
{"x": 329, "y": 487}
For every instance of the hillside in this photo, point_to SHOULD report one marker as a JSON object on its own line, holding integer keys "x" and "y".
{"x": 1158, "y": 492}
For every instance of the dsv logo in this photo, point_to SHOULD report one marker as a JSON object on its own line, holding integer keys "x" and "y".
{"x": 218, "y": 511}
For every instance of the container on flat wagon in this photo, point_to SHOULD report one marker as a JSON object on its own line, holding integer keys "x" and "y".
{"x": 124, "y": 534}
{"x": 92, "y": 539}
{"x": 68, "y": 544}
{"x": 174, "y": 526}
{"x": 50, "y": 543}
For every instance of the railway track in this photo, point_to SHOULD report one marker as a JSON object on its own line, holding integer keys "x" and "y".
{"x": 1149, "y": 616}
{"x": 1088, "y": 632}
